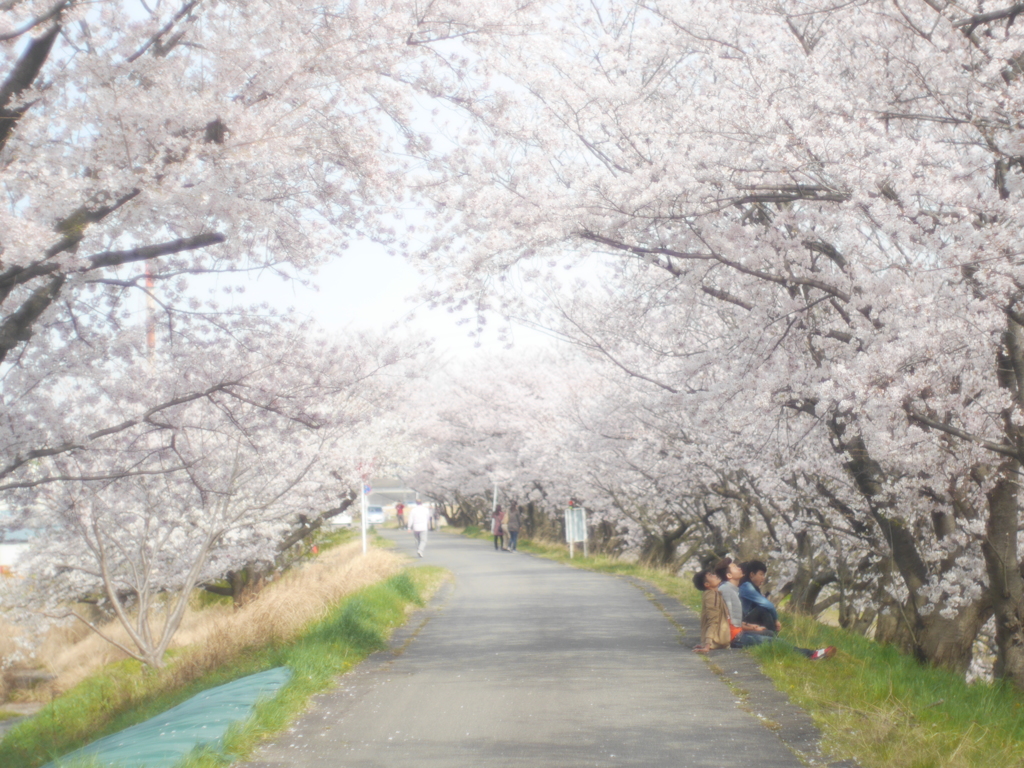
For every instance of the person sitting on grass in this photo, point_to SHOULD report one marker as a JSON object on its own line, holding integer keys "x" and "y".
{"x": 744, "y": 633}
{"x": 714, "y": 616}
{"x": 757, "y": 609}
{"x": 716, "y": 628}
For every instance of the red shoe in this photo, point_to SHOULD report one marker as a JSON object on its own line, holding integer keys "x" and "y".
{"x": 824, "y": 653}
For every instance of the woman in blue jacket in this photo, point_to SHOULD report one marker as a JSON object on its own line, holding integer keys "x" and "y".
{"x": 757, "y": 609}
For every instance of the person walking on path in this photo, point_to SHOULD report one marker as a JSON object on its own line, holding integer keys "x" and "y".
{"x": 400, "y": 512}
{"x": 515, "y": 523}
{"x": 419, "y": 523}
{"x": 496, "y": 528}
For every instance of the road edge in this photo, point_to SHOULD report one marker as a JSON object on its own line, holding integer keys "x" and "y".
{"x": 739, "y": 670}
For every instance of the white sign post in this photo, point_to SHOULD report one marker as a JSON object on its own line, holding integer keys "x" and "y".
{"x": 366, "y": 492}
{"x": 576, "y": 528}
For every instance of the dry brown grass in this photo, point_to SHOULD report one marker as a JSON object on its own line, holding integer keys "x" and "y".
{"x": 8, "y": 648}
{"x": 283, "y": 609}
{"x": 7, "y": 644}
{"x": 212, "y": 636}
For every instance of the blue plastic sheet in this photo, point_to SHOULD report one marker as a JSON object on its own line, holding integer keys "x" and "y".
{"x": 163, "y": 740}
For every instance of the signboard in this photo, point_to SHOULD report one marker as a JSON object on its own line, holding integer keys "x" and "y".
{"x": 576, "y": 528}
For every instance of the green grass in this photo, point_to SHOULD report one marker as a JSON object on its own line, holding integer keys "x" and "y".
{"x": 885, "y": 709}
{"x": 872, "y": 703}
{"x": 358, "y": 626}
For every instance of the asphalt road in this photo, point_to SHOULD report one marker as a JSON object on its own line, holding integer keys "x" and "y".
{"x": 526, "y": 662}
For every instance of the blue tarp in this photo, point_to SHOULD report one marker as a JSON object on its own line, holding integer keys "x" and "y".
{"x": 203, "y": 720}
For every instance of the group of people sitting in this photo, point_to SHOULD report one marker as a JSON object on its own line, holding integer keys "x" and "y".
{"x": 734, "y": 613}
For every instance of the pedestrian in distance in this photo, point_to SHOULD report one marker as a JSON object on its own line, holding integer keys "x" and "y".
{"x": 496, "y": 528}
{"x": 515, "y": 524}
{"x": 400, "y": 513}
{"x": 419, "y": 523}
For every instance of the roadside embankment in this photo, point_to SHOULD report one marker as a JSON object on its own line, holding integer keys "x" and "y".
{"x": 318, "y": 620}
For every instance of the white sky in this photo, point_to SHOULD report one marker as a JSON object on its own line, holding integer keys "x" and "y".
{"x": 370, "y": 289}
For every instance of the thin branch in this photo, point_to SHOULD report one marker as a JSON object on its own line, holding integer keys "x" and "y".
{"x": 155, "y": 39}
{"x": 1003, "y": 449}
{"x": 972, "y": 22}
{"x": 146, "y": 417}
{"x": 33, "y": 23}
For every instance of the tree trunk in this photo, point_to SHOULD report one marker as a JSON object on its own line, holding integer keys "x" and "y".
{"x": 809, "y": 580}
{"x": 1006, "y": 586}
{"x": 944, "y": 642}
{"x": 749, "y": 539}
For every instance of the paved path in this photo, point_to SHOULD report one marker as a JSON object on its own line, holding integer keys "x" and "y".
{"x": 526, "y": 662}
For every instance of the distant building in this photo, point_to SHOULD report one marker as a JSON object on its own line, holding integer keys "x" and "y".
{"x": 388, "y": 491}
{"x": 12, "y": 545}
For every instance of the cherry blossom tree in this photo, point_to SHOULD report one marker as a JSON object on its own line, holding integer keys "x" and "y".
{"x": 205, "y": 486}
{"x": 838, "y": 186}
{"x": 687, "y": 421}
{"x": 477, "y": 424}
{"x": 145, "y": 143}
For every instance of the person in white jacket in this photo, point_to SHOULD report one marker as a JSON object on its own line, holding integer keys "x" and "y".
{"x": 419, "y": 524}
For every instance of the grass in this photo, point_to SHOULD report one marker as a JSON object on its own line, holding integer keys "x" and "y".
{"x": 328, "y": 639}
{"x": 885, "y": 709}
{"x": 873, "y": 704}
{"x": 212, "y": 629}
{"x": 330, "y": 647}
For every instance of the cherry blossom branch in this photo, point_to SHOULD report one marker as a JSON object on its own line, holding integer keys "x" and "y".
{"x": 112, "y": 595}
{"x": 21, "y": 78}
{"x": 31, "y": 24}
{"x": 191, "y": 578}
{"x": 155, "y": 39}
{"x": 727, "y": 297}
{"x": 968, "y": 25}
{"x": 117, "y": 258}
{"x": 645, "y": 252}
{"x": 73, "y": 226}
{"x": 17, "y": 327}
{"x": 306, "y": 528}
{"x": 87, "y": 478}
{"x": 146, "y": 417}
{"x": 590, "y": 342}
{"x": 95, "y": 628}
{"x": 1003, "y": 449}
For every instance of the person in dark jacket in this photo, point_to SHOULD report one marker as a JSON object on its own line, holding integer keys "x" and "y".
{"x": 515, "y": 523}
{"x": 758, "y": 609}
